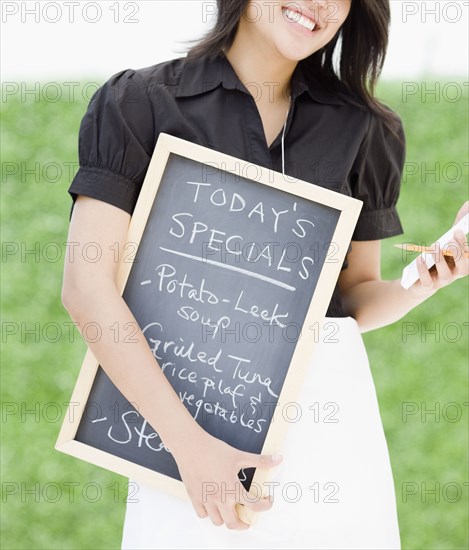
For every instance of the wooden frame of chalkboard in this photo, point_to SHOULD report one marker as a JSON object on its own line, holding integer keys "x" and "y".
{"x": 237, "y": 311}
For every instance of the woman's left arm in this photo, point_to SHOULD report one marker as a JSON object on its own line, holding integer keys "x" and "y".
{"x": 376, "y": 303}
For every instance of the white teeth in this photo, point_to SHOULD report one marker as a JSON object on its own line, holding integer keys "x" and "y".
{"x": 300, "y": 19}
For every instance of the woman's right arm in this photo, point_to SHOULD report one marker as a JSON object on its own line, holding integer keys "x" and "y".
{"x": 90, "y": 295}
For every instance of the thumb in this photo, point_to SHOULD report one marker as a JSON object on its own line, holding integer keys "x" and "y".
{"x": 253, "y": 460}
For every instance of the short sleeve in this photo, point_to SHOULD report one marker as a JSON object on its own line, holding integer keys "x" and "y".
{"x": 115, "y": 142}
{"x": 375, "y": 179}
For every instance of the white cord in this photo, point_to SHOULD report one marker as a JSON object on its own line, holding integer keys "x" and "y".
{"x": 283, "y": 136}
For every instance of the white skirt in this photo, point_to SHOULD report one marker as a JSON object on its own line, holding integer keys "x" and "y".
{"x": 334, "y": 488}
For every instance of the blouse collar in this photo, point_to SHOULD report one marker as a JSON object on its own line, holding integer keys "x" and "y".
{"x": 202, "y": 75}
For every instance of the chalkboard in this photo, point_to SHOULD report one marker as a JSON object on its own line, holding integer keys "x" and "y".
{"x": 234, "y": 262}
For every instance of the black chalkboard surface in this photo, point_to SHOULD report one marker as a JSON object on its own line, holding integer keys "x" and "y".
{"x": 233, "y": 264}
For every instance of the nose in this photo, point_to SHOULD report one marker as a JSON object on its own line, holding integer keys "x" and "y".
{"x": 317, "y": 4}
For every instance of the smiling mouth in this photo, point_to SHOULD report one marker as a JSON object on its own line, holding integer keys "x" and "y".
{"x": 300, "y": 19}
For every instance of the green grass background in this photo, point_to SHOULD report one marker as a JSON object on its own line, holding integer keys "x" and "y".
{"x": 429, "y": 370}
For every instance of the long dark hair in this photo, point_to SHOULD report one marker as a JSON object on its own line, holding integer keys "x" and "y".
{"x": 362, "y": 41}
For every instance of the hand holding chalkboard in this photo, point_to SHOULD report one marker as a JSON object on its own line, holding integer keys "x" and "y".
{"x": 209, "y": 471}
{"x": 234, "y": 268}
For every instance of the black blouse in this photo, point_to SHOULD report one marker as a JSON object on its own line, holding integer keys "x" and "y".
{"x": 328, "y": 141}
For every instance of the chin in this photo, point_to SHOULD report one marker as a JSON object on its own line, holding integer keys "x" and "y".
{"x": 296, "y": 53}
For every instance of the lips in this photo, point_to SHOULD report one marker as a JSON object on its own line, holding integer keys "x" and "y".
{"x": 293, "y": 15}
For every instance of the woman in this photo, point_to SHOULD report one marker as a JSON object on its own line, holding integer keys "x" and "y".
{"x": 261, "y": 86}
